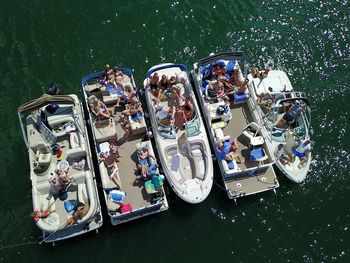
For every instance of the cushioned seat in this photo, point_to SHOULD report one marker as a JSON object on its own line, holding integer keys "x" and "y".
{"x": 138, "y": 127}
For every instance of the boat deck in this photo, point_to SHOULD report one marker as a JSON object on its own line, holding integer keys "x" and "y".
{"x": 241, "y": 117}
{"x": 135, "y": 191}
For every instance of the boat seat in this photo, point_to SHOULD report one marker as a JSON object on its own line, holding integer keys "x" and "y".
{"x": 92, "y": 88}
{"x": 230, "y": 170}
{"x": 43, "y": 154}
{"x": 104, "y": 130}
{"x": 74, "y": 140}
{"x": 199, "y": 162}
{"x": 76, "y": 152}
{"x": 79, "y": 178}
{"x": 138, "y": 127}
{"x": 258, "y": 154}
{"x": 107, "y": 183}
{"x": 55, "y": 120}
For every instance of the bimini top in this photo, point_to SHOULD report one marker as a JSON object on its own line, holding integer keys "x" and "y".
{"x": 44, "y": 100}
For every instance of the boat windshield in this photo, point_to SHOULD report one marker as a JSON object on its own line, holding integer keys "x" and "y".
{"x": 289, "y": 114}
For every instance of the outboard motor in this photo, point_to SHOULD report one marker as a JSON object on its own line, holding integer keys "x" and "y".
{"x": 54, "y": 89}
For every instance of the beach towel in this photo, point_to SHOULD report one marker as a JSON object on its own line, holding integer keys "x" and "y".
{"x": 175, "y": 162}
{"x": 225, "y": 149}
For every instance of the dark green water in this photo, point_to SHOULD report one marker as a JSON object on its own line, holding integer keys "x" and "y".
{"x": 61, "y": 41}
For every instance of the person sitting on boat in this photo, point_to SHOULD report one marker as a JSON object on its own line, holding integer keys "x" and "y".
{"x": 125, "y": 124}
{"x": 166, "y": 118}
{"x": 219, "y": 89}
{"x": 218, "y": 70}
{"x": 81, "y": 211}
{"x": 179, "y": 118}
{"x": 256, "y": 73}
{"x": 302, "y": 149}
{"x": 281, "y": 155}
{"x": 60, "y": 181}
{"x": 98, "y": 108}
{"x": 110, "y": 160}
{"x": 293, "y": 113}
{"x": 163, "y": 86}
{"x": 145, "y": 161}
{"x": 228, "y": 150}
{"x": 115, "y": 89}
{"x": 134, "y": 110}
{"x": 234, "y": 148}
{"x": 153, "y": 83}
{"x": 164, "y": 82}
{"x": 107, "y": 71}
{"x": 265, "y": 100}
{"x": 37, "y": 214}
{"x": 187, "y": 108}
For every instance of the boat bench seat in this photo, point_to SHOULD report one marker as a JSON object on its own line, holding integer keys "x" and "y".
{"x": 227, "y": 169}
{"x": 55, "y": 120}
{"x": 138, "y": 127}
{"x": 76, "y": 152}
{"x": 199, "y": 163}
{"x": 104, "y": 130}
{"x": 107, "y": 183}
{"x": 92, "y": 88}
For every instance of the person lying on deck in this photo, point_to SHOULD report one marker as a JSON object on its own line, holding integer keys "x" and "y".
{"x": 110, "y": 160}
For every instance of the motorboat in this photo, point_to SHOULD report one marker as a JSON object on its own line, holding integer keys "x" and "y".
{"x": 240, "y": 147}
{"x": 277, "y": 88}
{"x": 127, "y": 195}
{"x": 61, "y": 168}
{"x": 179, "y": 133}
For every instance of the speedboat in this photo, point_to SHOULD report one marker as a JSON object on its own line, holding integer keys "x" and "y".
{"x": 127, "y": 196}
{"x": 241, "y": 150}
{"x": 278, "y": 87}
{"x": 182, "y": 142}
{"x": 61, "y": 167}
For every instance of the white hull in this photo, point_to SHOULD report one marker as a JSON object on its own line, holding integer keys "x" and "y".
{"x": 74, "y": 145}
{"x": 191, "y": 177}
{"x": 143, "y": 203}
{"x": 246, "y": 177}
{"x": 281, "y": 88}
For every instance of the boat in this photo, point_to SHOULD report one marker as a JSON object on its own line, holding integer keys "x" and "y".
{"x": 248, "y": 167}
{"x": 182, "y": 145}
{"x": 277, "y": 85}
{"x": 61, "y": 168}
{"x": 126, "y": 198}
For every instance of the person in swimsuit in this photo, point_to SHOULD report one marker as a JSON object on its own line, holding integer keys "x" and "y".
{"x": 125, "y": 124}
{"x": 179, "y": 118}
{"x": 37, "y": 214}
{"x": 144, "y": 162}
{"x": 187, "y": 108}
{"x": 281, "y": 155}
{"x": 99, "y": 109}
{"x": 81, "y": 211}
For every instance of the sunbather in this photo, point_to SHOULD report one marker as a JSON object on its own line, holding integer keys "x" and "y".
{"x": 99, "y": 109}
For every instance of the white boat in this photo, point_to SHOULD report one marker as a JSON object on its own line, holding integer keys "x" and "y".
{"x": 142, "y": 201}
{"x": 279, "y": 86}
{"x": 254, "y": 172}
{"x": 184, "y": 151}
{"x": 55, "y": 134}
